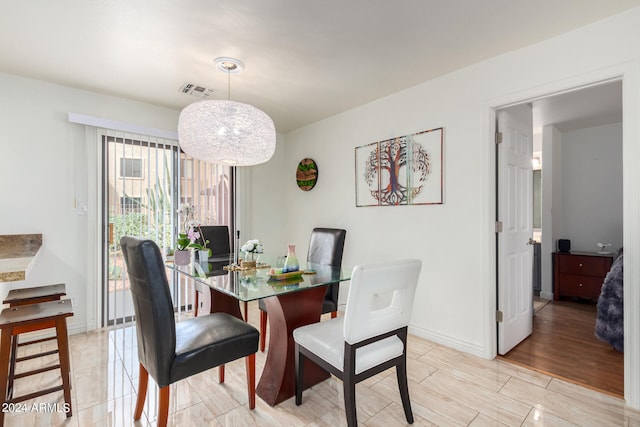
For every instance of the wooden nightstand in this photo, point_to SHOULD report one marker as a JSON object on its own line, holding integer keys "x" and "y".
{"x": 579, "y": 274}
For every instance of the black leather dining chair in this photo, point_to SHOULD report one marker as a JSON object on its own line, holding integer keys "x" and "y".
{"x": 218, "y": 237}
{"x": 170, "y": 351}
{"x": 325, "y": 247}
{"x": 220, "y": 245}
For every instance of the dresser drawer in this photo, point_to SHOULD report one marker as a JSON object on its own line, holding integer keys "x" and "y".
{"x": 580, "y": 286}
{"x": 583, "y": 265}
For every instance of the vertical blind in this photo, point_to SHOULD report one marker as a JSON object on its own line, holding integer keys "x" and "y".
{"x": 145, "y": 179}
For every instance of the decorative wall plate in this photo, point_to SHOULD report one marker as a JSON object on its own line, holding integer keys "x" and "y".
{"x": 306, "y": 174}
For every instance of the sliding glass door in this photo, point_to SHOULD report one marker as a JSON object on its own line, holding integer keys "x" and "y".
{"x": 145, "y": 180}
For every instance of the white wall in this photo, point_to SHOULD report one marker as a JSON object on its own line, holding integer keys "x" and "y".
{"x": 551, "y": 203}
{"x": 582, "y": 192}
{"x": 456, "y": 294}
{"x": 263, "y": 197}
{"x": 44, "y": 173}
{"x": 592, "y": 187}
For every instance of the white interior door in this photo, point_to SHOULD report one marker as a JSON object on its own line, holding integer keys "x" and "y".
{"x": 515, "y": 251}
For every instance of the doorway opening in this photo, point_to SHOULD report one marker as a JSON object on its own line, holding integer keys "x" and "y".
{"x": 577, "y": 147}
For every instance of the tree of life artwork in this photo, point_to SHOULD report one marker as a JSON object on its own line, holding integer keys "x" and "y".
{"x": 406, "y": 170}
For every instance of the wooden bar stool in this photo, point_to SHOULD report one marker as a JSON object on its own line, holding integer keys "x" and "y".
{"x": 37, "y": 294}
{"x": 23, "y": 296}
{"x": 29, "y": 318}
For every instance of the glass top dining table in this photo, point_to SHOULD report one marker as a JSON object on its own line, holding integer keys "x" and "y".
{"x": 254, "y": 284}
{"x": 290, "y": 304}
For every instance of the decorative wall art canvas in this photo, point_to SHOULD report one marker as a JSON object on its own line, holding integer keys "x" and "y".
{"x": 401, "y": 171}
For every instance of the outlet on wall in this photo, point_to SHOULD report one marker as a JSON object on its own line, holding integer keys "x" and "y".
{"x": 82, "y": 209}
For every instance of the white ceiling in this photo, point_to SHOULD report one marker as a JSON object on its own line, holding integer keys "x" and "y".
{"x": 588, "y": 107}
{"x": 304, "y": 60}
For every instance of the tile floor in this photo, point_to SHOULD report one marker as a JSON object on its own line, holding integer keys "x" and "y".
{"x": 447, "y": 388}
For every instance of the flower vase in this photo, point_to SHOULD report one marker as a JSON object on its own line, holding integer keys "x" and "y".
{"x": 203, "y": 256}
{"x": 182, "y": 257}
{"x": 291, "y": 263}
{"x": 249, "y": 260}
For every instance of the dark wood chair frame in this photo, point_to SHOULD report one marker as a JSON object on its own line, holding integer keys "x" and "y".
{"x": 350, "y": 378}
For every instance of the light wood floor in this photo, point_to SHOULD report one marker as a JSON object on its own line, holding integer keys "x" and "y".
{"x": 447, "y": 388}
{"x": 563, "y": 344}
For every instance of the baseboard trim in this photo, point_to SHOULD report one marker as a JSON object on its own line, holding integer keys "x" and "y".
{"x": 546, "y": 295}
{"x": 447, "y": 341}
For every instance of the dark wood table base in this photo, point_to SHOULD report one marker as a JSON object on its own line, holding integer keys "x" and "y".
{"x": 286, "y": 313}
{"x": 223, "y": 303}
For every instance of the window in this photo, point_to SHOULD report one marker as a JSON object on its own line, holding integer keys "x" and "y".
{"x": 130, "y": 204}
{"x": 130, "y": 168}
{"x": 186, "y": 166}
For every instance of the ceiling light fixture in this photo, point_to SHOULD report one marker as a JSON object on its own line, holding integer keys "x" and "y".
{"x": 224, "y": 131}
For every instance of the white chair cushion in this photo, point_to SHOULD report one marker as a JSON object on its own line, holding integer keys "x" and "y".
{"x": 326, "y": 340}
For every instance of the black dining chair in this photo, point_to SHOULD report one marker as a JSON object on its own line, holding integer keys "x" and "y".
{"x": 170, "y": 351}
{"x": 220, "y": 246}
{"x": 325, "y": 247}
{"x": 218, "y": 237}
{"x": 370, "y": 338}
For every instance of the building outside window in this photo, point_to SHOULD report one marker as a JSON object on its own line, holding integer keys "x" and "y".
{"x": 130, "y": 168}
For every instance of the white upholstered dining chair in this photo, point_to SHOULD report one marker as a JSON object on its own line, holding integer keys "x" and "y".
{"x": 370, "y": 338}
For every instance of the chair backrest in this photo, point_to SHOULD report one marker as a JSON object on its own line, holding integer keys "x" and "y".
{"x": 155, "y": 324}
{"x": 326, "y": 246}
{"x": 218, "y": 237}
{"x": 380, "y": 298}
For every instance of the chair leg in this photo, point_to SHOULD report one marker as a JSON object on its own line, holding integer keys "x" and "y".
{"x": 299, "y": 366}
{"x": 5, "y": 349}
{"x": 263, "y": 329}
{"x": 334, "y": 314}
{"x": 12, "y": 364}
{"x": 401, "y": 373}
{"x": 221, "y": 374}
{"x": 65, "y": 364}
{"x": 349, "y": 390}
{"x": 251, "y": 379}
{"x": 143, "y": 381}
{"x": 163, "y": 407}
{"x": 196, "y": 303}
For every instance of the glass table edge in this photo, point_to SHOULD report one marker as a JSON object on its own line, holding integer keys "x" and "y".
{"x": 276, "y": 287}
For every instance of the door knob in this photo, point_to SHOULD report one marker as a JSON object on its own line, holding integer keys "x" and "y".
{"x": 531, "y": 241}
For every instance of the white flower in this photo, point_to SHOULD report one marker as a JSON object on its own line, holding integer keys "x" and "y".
{"x": 253, "y": 245}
